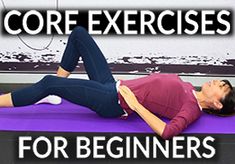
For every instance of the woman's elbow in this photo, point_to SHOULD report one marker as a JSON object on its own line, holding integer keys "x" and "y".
{"x": 166, "y": 135}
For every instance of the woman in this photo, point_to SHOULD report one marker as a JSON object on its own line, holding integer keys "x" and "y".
{"x": 161, "y": 94}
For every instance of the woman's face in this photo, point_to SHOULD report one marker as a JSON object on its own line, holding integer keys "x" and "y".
{"x": 215, "y": 90}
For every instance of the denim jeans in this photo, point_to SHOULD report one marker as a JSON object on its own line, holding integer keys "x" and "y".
{"x": 99, "y": 93}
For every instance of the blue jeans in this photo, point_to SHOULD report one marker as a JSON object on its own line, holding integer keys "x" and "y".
{"x": 99, "y": 93}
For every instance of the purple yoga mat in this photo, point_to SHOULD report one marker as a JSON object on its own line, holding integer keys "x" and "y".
{"x": 68, "y": 117}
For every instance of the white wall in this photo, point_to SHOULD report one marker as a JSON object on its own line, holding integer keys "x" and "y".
{"x": 114, "y": 46}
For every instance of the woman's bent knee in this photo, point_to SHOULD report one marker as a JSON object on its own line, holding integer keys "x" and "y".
{"x": 78, "y": 31}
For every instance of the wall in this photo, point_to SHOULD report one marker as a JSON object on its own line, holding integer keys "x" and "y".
{"x": 199, "y": 56}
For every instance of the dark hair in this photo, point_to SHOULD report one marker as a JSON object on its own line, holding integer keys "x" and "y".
{"x": 228, "y": 103}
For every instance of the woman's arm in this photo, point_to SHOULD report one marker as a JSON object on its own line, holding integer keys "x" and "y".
{"x": 152, "y": 120}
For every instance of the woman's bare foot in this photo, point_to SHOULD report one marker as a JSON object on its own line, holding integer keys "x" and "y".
{"x": 51, "y": 99}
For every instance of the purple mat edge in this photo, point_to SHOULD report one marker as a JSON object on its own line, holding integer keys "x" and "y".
{"x": 194, "y": 128}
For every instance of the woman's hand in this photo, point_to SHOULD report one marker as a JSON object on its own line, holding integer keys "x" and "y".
{"x": 153, "y": 121}
{"x": 129, "y": 97}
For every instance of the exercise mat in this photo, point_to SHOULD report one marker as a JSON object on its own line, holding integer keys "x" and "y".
{"x": 68, "y": 117}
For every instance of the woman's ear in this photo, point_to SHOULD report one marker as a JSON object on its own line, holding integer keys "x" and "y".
{"x": 218, "y": 105}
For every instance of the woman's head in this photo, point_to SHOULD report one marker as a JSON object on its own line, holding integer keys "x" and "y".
{"x": 221, "y": 97}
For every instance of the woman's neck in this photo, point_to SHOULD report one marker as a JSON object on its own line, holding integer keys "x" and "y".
{"x": 201, "y": 100}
